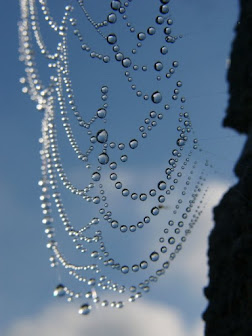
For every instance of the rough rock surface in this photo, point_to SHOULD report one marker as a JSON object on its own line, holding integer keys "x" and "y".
{"x": 229, "y": 311}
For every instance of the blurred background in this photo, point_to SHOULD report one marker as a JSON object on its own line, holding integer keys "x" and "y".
{"x": 176, "y": 302}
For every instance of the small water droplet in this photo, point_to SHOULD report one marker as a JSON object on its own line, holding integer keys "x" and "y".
{"x": 171, "y": 240}
{"x": 161, "y": 185}
{"x": 85, "y": 309}
{"x": 155, "y": 211}
{"x": 133, "y": 143}
{"x": 156, "y": 97}
{"x": 143, "y": 264}
{"x": 141, "y": 36}
{"x": 115, "y": 4}
{"x": 103, "y": 158}
{"x": 111, "y": 18}
{"x": 154, "y": 256}
{"x": 59, "y": 291}
{"x": 102, "y": 136}
{"x": 151, "y": 30}
{"x": 158, "y": 66}
{"x": 164, "y": 9}
{"x": 126, "y": 62}
{"x": 101, "y": 113}
{"x": 125, "y": 269}
{"x": 96, "y": 176}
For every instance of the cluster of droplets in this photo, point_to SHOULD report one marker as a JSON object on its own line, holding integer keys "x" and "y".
{"x": 60, "y": 93}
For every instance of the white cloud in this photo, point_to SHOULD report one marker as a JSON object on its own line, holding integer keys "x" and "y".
{"x": 138, "y": 319}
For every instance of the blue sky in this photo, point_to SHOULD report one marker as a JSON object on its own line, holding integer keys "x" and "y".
{"x": 26, "y": 280}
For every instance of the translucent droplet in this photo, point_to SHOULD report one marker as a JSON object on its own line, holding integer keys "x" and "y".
{"x": 151, "y": 30}
{"x": 143, "y": 264}
{"x": 141, "y": 36}
{"x": 143, "y": 197}
{"x": 59, "y": 290}
{"x": 119, "y": 56}
{"x": 111, "y": 18}
{"x": 111, "y": 38}
{"x": 133, "y": 143}
{"x": 113, "y": 165}
{"x": 155, "y": 211}
{"x": 115, "y": 4}
{"x": 180, "y": 142}
{"x": 96, "y": 176}
{"x": 85, "y": 309}
{"x": 125, "y": 192}
{"x": 159, "y": 20}
{"x": 125, "y": 269}
{"x": 135, "y": 268}
{"x": 126, "y": 62}
{"x": 101, "y": 113}
{"x": 171, "y": 240}
{"x": 114, "y": 224}
{"x": 164, "y": 9}
{"x": 123, "y": 228}
{"x": 124, "y": 158}
{"x": 158, "y": 66}
{"x": 156, "y": 97}
{"x": 103, "y": 158}
{"x": 154, "y": 256}
{"x": 102, "y": 136}
{"x": 161, "y": 185}
{"x": 104, "y": 89}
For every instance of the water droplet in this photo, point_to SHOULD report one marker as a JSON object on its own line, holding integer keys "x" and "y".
{"x": 111, "y": 38}
{"x": 156, "y": 97}
{"x": 85, "y": 309}
{"x": 118, "y": 185}
{"x": 171, "y": 240}
{"x": 125, "y": 192}
{"x": 133, "y": 143}
{"x": 126, "y": 62}
{"x": 164, "y": 50}
{"x": 96, "y": 176}
{"x": 102, "y": 136}
{"x": 114, "y": 224}
{"x": 104, "y": 89}
{"x": 119, "y": 56}
{"x": 141, "y": 36}
{"x": 113, "y": 165}
{"x": 103, "y": 158}
{"x": 101, "y": 113}
{"x": 59, "y": 290}
{"x": 161, "y": 185}
{"x": 115, "y": 4}
{"x": 154, "y": 256}
{"x": 164, "y": 9}
{"x": 151, "y": 30}
{"x": 135, "y": 268}
{"x": 124, "y": 158}
{"x": 143, "y": 264}
{"x": 111, "y": 18}
{"x": 123, "y": 228}
{"x": 125, "y": 269}
{"x": 155, "y": 211}
{"x": 143, "y": 197}
{"x": 113, "y": 176}
{"x": 179, "y": 83}
{"x": 158, "y": 66}
{"x": 159, "y": 20}
{"x": 180, "y": 142}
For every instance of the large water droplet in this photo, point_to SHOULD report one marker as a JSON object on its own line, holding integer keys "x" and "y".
{"x": 102, "y": 136}
{"x": 164, "y": 9}
{"x": 85, "y": 309}
{"x": 156, "y": 97}
{"x": 103, "y": 158}
{"x": 133, "y": 143}
{"x": 154, "y": 256}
